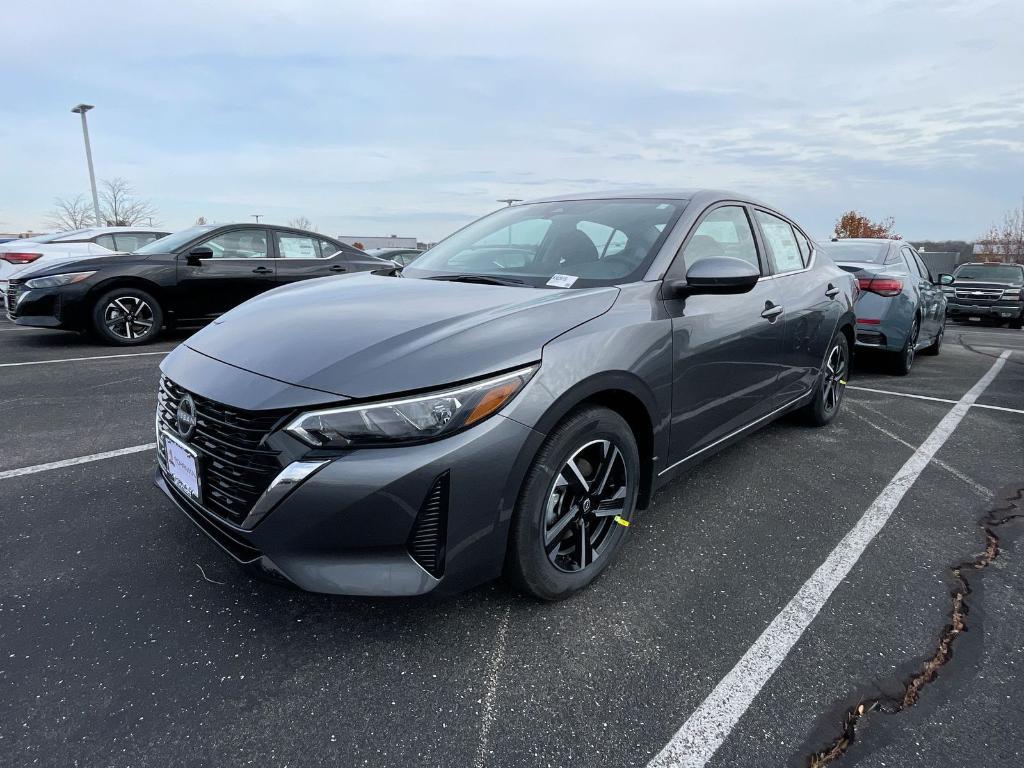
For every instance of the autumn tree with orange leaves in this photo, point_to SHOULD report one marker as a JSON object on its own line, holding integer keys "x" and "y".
{"x": 855, "y": 224}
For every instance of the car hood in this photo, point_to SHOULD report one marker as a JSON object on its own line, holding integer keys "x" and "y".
{"x": 966, "y": 285}
{"x": 367, "y": 335}
{"x": 83, "y": 263}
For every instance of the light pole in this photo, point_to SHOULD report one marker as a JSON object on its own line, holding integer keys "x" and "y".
{"x": 509, "y": 200}
{"x": 256, "y": 216}
{"x": 81, "y": 109}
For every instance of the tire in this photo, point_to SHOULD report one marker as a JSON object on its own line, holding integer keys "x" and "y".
{"x": 828, "y": 393}
{"x": 110, "y": 309}
{"x": 936, "y": 346}
{"x": 1017, "y": 324}
{"x": 903, "y": 360}
{"x": 545, "y": 542}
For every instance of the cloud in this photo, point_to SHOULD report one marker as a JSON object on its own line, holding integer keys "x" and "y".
{"x": 415, "y": 117}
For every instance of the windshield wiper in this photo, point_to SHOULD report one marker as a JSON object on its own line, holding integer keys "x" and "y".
{"x": 485, "y": 279}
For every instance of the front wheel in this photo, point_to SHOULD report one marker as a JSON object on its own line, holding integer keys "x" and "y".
{"x": 575, "y": 505}
{"x": 828, "y": 395}
{"x": 127, "y": 317}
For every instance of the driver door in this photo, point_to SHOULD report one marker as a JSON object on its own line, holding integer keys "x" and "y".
{"x": 238, "y": 269}
{"x": 726, "y": 349}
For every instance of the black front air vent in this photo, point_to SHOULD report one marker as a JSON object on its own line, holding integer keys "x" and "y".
{"x": 430, "y": 530}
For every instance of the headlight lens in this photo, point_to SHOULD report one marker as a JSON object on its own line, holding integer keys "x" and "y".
{"x": 53, "y": 281}
{"x": 410, "y": 419}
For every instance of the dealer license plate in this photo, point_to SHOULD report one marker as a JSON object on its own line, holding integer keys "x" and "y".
{"x": 182, "y": 467}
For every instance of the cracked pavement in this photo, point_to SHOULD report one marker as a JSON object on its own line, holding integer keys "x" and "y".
{"x": 118, "y": 650}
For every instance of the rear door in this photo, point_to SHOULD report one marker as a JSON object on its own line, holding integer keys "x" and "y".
{"x": 302, "y": 257}
{"x": 239, "y": 269}
{"x": 809, "y": 298}
{"x": 933, "y": 313}
{"x": 725, "y": 349}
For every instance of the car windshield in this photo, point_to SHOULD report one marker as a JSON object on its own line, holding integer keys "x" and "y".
{"x": 579, "y": 243}
{"x": 174, "y": 241}
{"x": 999, "y": 273}
{"x": 865, "y": 253}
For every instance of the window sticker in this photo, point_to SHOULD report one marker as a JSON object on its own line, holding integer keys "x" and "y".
{"x": 562, "y": 281}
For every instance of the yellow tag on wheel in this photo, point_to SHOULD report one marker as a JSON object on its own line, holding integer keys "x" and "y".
{"x": 621, "y": 521}
{"x": 842, "y": 382}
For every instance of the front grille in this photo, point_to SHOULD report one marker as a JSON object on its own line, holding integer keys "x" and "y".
{"x": 979, "y": 295}
{"x": 11, "y": 296}
{"x": 430, "y": 530}
{"x": 235, "y": 465}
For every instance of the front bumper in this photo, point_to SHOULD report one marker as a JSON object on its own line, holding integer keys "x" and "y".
{"x": 348, "y": 527}
{"x": 1001, "y": 310}
{"x": 45, "y": 307}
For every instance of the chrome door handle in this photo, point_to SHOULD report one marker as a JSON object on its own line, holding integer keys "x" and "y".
{"x": 771, "y": 311}
{"x": 337, "y": 268}
{"x": 832, "y": 291}
{"x": 263, "y": 270}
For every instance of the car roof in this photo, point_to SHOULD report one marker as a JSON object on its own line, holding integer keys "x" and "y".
{"x": 989, "y": 264}
{"x": 653, "y": 193}
{"x": 878, "y": 240}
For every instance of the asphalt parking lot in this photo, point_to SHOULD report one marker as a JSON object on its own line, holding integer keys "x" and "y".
{"x": 129, "y": 639}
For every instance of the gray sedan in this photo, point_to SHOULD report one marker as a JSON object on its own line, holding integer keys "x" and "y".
{"x": 508, "y": 401}
{"x": 902, "y": 308}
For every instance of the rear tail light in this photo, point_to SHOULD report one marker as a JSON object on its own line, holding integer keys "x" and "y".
{"x": 868, "y": 320}
{"x": 883, "y": 286}
{"x": 19, "y": 258}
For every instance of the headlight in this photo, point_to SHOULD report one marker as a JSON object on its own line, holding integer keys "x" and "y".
{"x": 410, "y": 419}
{"x": 54, "y": 280}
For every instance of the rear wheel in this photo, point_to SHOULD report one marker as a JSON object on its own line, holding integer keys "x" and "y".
{"x": 575, "y": 506}
{"x": 127, "y": 317}
{"x": 1017, "y": 324}
{"x": 831, "y": 384}
{"x": 936, "y": 346}
{"x": 903, "y": 360}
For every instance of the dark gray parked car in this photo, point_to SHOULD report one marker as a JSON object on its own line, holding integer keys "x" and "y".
{"x": 902, "y": 308}
{"x": 509, "y": 402}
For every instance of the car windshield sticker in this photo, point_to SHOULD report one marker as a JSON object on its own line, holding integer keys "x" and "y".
{"x": 562, "y": 281}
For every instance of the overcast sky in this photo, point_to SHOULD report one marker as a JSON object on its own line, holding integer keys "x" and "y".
{"x": 412, "y": 118}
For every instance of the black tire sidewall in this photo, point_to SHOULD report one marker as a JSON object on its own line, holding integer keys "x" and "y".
{"x": 816, "y": 412}
{"x": 528, "y": 566}
{"x": 900, "y": 367}
{"x": 100, "y": 329}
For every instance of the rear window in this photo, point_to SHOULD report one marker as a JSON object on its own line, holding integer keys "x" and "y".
{"x": 999, "y": 273}
{"x": 866, "y": 253}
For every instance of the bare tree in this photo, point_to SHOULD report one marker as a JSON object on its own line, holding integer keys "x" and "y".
{"x": 301, "y": 222}
{"x": 120, "y": 206}
{"x": 1005, "y": 241}
{"x": 70, "y": 213}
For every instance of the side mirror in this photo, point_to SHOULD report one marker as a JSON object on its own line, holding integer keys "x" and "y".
{"x": 717, "y": 275}
{"x": 945, "y": 279}
{"x": 197, "y": 254}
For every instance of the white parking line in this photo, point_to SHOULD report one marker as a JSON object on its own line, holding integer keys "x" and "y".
{"x": 938, "y": 399}
{"x": 72, "y": 462}
{"x": 711, "y": 723}
{"x": 79, "y": 359}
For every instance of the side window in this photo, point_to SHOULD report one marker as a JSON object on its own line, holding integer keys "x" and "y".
{"x": 782, "y": 245}
{"x": 723, "y": 232}
{"x": 296, "y": 246}
{"x": 804, "y": 246}
{"x": 915, "y": 269}
{"x": 132, "y": 241}
{"x": 106, "y": 241}
{"x": 925, "y": 272}
{"x": 239, "y": 244}
{"x": 327, "y": 248}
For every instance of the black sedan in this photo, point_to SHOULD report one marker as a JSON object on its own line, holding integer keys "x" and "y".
{"x": 540, "y": 374}
{"x": 185, "y": 279}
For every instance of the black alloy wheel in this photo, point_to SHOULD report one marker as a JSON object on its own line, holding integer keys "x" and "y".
{"x": 831, "y": 384}
{"x": 127, "y": 317}
{"x": 586, "y": 496}
{"x": 575, "y": 506}
{"x": 904, "y": 360}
